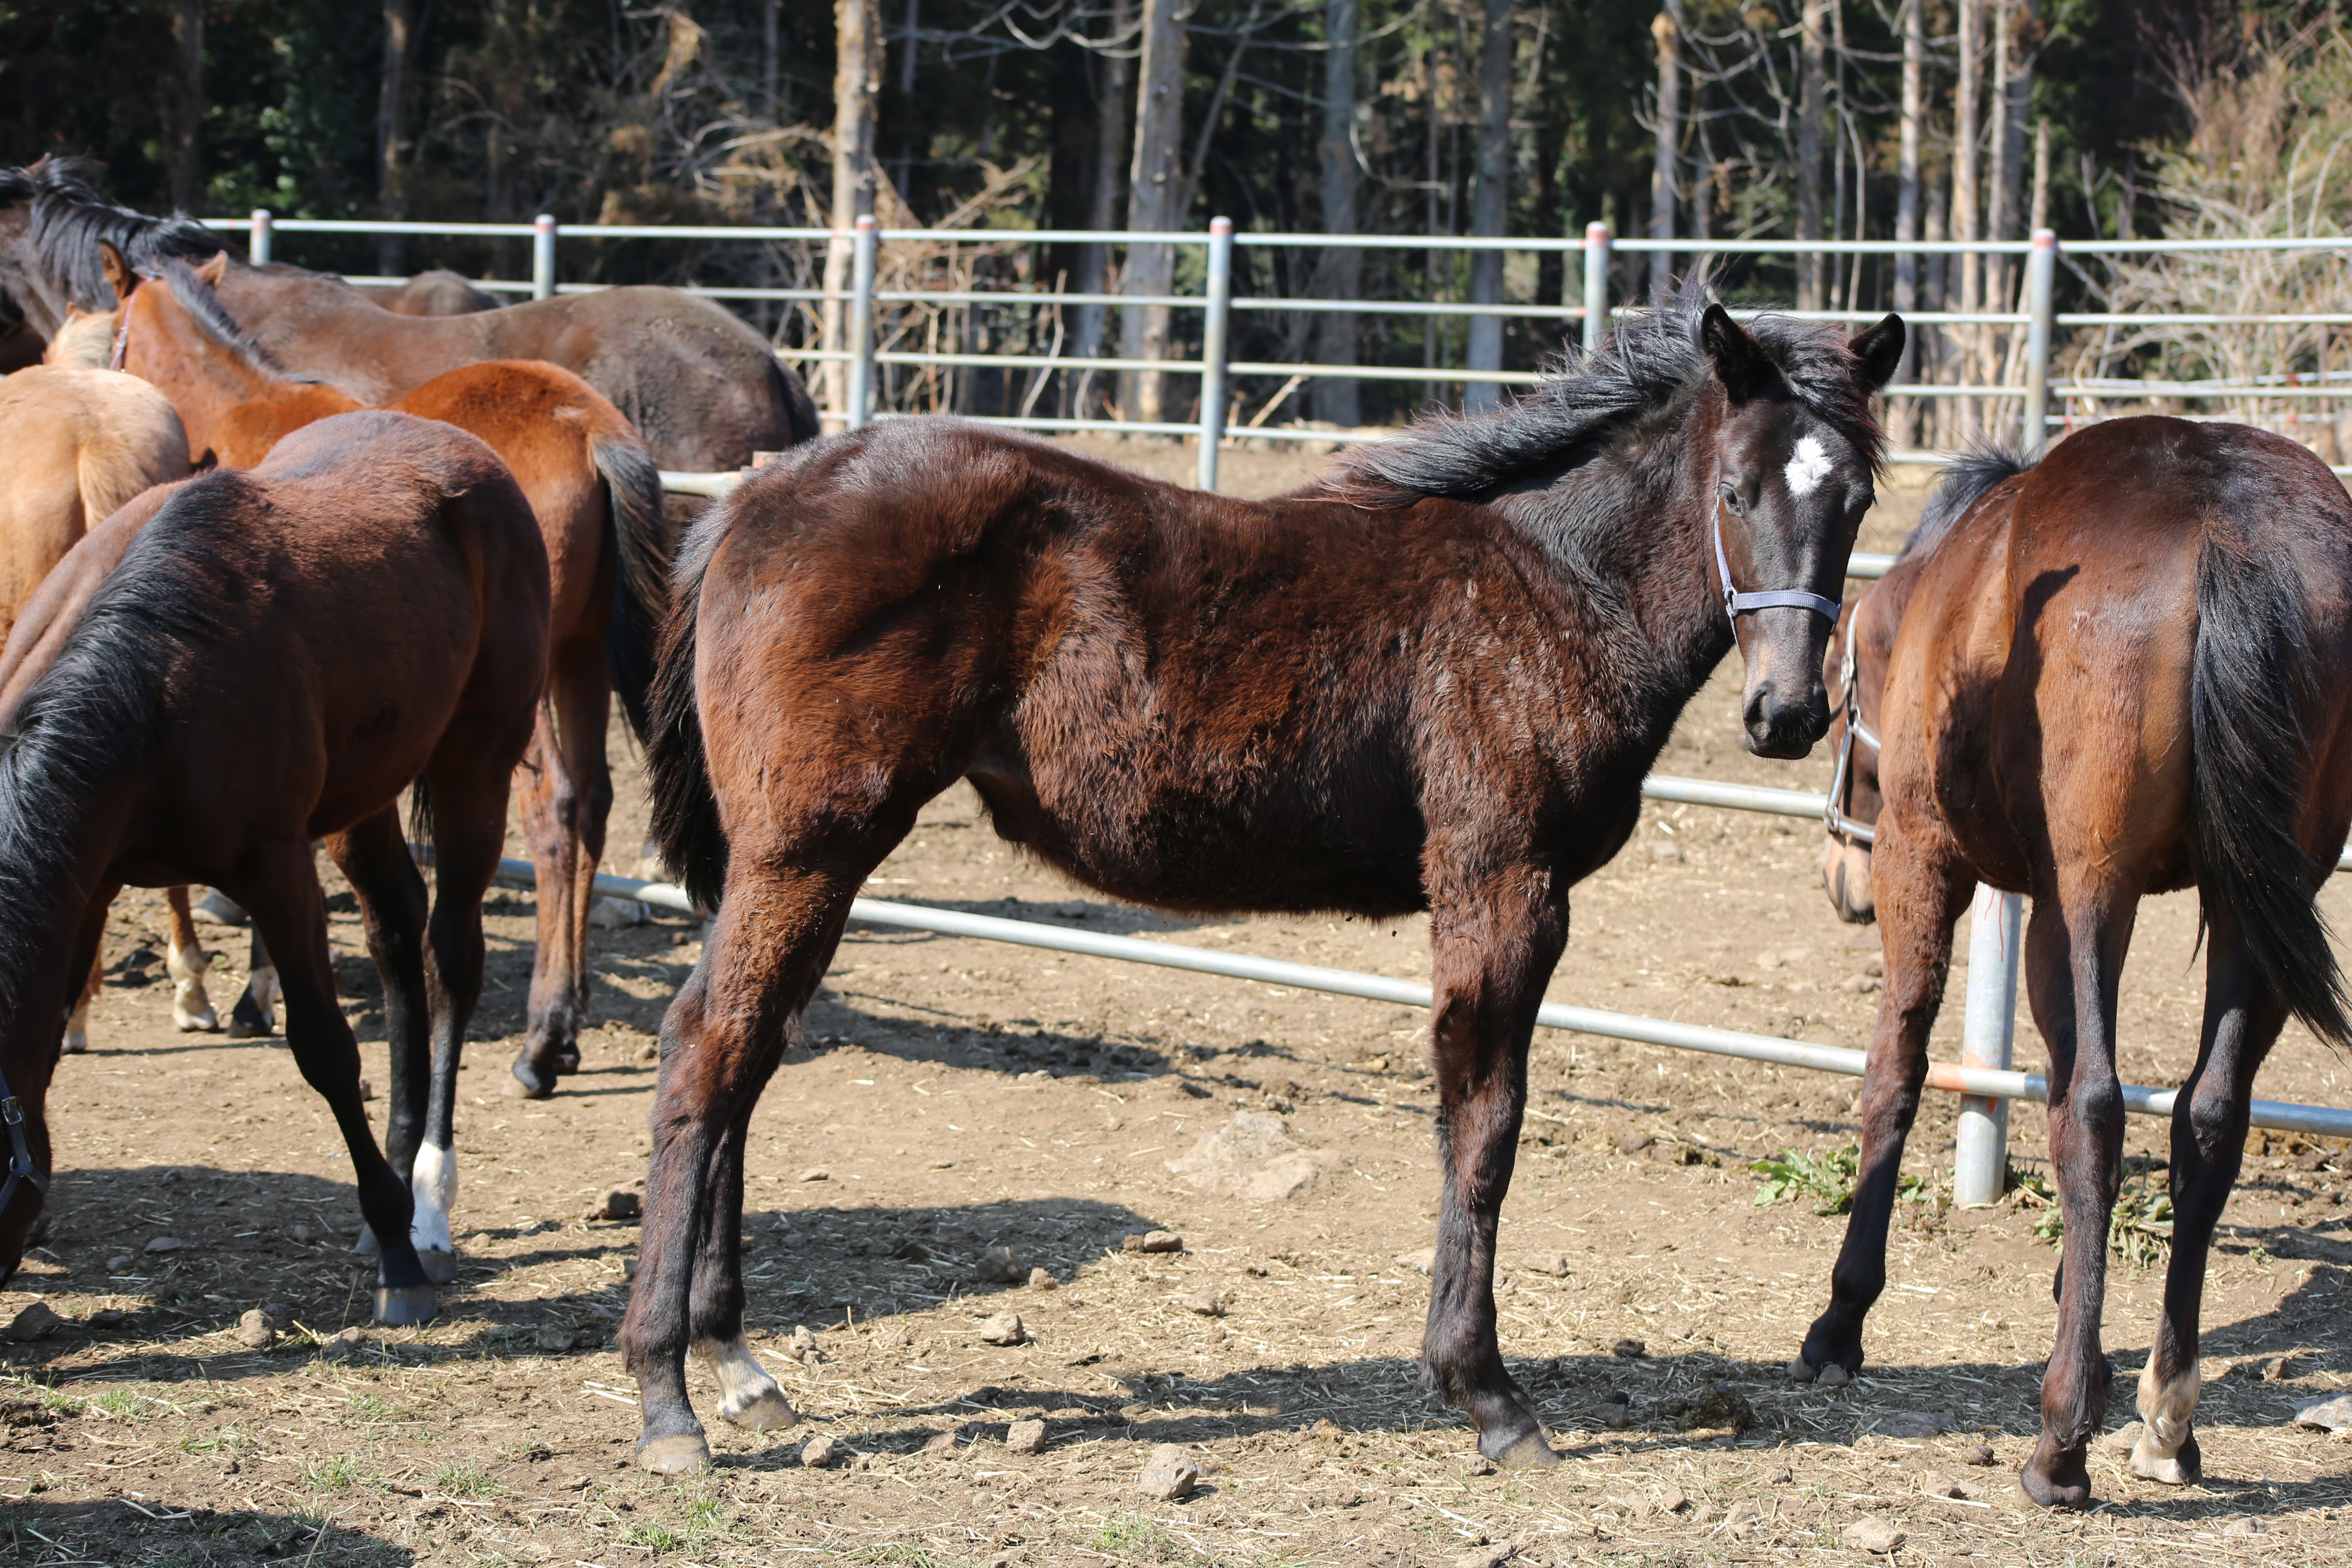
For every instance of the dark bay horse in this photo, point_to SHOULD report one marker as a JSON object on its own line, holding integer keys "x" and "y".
{"x": 2117, "y": 672}
{"x": 702, "y": 386}
{"x": 392, "y": 567}
{"x": 1434, "y": 681}
{"x": 597, "y": 495}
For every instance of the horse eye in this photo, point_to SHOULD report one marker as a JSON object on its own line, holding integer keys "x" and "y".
{"x": 1729, "y": 497}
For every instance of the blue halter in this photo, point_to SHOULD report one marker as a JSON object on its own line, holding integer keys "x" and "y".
{"x": 1736, "y": 604}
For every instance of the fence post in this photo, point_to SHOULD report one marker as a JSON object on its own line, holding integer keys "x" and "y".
{"x": 257, "y": 248}
{"x": 2041, "y": 276}
{"x": 1980, "y": 1164}
{"x": 861, "y": 326}
{"x": 1215, "y": 328}
{"x": 1596, "y": 285}
{"x": 543, "y": 257}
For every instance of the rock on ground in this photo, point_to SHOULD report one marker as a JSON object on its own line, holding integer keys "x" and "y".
{"x": 1168, "y": 1475}
{"x": 1873, "y": 1535}
{"x": 1026, "y": 1437}
{"x": 1004, "y": 1329}
{"x": 37, "y": 1322}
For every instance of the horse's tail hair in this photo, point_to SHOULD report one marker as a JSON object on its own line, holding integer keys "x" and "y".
{"x": 640, "y": 541}
{"x": 2253, "y": 673}
{"x": 685, "y": 810}
{"x": 1963, "y": 482}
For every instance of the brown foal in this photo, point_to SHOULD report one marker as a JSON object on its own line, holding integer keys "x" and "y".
{"x": 2105, "y": 676}
{"x": 1434, "y": 681}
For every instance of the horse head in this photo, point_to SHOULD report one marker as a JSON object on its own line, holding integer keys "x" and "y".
{"x": 1790, "y": 481}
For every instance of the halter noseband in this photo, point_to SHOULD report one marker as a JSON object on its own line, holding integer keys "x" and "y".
{"x": 1736, "y": 604}
{"x": 1834, "y": 820}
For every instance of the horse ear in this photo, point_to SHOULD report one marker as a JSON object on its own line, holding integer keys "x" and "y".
{"x": 1880, "y": 350}
{"x": 1739, "y": 361}
{"x": 118, "y": 272}
{"x": 213, "y": 269}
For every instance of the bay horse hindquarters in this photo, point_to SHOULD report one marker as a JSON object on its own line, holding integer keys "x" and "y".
{"x": 392, "y": 565}
{"x": 1434, "y": 681}
{"x": 2107, "y": 675}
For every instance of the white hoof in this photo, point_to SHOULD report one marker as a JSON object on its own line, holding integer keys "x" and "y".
{"x": 196, "y": 1021}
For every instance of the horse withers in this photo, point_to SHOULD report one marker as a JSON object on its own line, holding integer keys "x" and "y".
{"x": 1434, "y": 681}
{"x": 393, "y": 565}
{"x": 2103, "y": 676}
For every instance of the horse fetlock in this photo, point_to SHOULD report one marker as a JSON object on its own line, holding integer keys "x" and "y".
{"x": 433, "y": 1188}
{"x": 2165, "y": 1406}
{"x": 192, "y": 1007}
{"x": 527, "y": 1080}
{"x": 77, "y": 1036}
{"x": 749, "y": 1396}
{"x": 256, "y": 1012}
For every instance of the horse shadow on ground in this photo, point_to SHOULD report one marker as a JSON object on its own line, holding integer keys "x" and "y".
{"x": 157, "y": 1531}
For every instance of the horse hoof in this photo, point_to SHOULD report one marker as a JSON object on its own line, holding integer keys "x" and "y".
{"x": 521, "y": 1084}
{"x": 1532, "y": 1452}
{"x": 243, "y": 1029}
{"x": 75, "y": 1043}
{"x": 678, "y": 1456}
{"x": 770, "y": 1411}
{"x": 1802, "y": 1370}
{"x": 440, "y": 1265}
{"x": 365, "y": 1246}
{"x": 1833, "y": 1376}
{"x": 2184, "y": 1469}
{"x": 2048, "y": 1492}
{"x": 188, "y": 1023}
{"x": 400, "y": 1305}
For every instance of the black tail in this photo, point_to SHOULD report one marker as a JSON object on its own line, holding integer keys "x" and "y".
{"x": 685, "y": 812}
{"x": 2252, "y": 674}
{"x": 641, "y": 579}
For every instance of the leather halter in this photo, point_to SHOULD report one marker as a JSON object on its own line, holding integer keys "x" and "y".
{"x": 1834, "y": 820}
{"x": 1736, "y": 604}
{"x": 21, "y": 1168}
{"x": 122, "y": 339}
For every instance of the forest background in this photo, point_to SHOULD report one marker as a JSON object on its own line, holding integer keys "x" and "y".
{"x": 1731, "y": 118}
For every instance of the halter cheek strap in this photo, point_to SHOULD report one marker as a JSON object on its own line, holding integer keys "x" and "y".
{"x": 123, "y": 352}
{"x": 21, "y": 1168}
{"x": 1834, "y": 820}
{"x": 1736, "y": 604}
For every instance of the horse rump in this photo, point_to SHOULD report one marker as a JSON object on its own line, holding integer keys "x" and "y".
{"x": 2251, "y": 676}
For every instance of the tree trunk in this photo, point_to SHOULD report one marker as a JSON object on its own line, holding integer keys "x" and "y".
{"x": 185, "y": 117}
{"x": 856, "y": 79}
{"x": 1935, "y": 351}
{"x": 1812, "y": 103}
{"x": 1965, "y": 199}
{"x": 1490, "y": 202}
{"x": 1155, "y": 184}
{"x": 1111, "y": 77}
{"x": 1667, "y": 28}
{"x": 1337, "y": 398}
{"x": 771, "y": 58}
{"x": 392, "y": 148}
{"x": 1906, "y": 205}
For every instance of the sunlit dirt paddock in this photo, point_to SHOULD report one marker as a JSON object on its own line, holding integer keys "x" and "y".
{"x": 962, "y": 1097}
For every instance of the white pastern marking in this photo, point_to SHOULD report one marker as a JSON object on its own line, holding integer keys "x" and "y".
{"x": 191, "y": 1007}
{"x": 741, "y": 1379}
{"x": 2168, "y": 1406}
{"x": 1809, "y": 468}
{"x": 432, "y": 1183}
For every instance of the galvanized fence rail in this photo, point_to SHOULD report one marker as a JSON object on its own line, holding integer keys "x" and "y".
{"x": 1984, "y": 1077}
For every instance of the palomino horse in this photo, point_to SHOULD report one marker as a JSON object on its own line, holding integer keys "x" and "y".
{"x": 75, "y": 445}
{"x": 597, "y": 496}
{"x": 2105, "y": 676}
{"x": 393, "y": 562}
{"x": 1434, "y": 681}
{"x": 703, "y": 389}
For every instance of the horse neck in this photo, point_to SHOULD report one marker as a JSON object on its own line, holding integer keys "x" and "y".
{"x": 234, "y": 410}
{"x": 244, "y": 434}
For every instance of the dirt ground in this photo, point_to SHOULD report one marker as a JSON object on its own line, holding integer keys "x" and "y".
{"x": 962, "y": 1096}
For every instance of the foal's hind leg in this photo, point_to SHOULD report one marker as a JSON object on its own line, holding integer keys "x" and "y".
{"x": 254, "y": 1017}
{"x": 2242, "y": 1019}
{"x": 76, "y": 1038}
{"x": 187, "y": 964}
{"x": 1493, "y": 940}
{"x": 1925, "y": 890}
{"x": 749, "y": 1396}
{"x": 567, "y": 794}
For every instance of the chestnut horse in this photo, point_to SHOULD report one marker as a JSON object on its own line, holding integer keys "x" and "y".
{"x": 597, "y": 496}
{"x": 702, "y": 387}
{"x": 2110, "y": 674}
{"x": 393, "y": 562}
{"x": 1434, "y": 681}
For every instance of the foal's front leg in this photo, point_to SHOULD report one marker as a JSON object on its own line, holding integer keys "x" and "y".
{"x": 1492, "y": 948}
{"x": 188, "y": 964}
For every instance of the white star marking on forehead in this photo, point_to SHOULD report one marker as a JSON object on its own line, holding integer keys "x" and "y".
{"x": 1809, "y": 468}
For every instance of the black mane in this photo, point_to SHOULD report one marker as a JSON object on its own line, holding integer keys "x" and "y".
{"x": 1652, "y": 362}
{"x": 1965, "y": 478}
{"x": 205, "y": 306}
{"x": 70, "y": 218}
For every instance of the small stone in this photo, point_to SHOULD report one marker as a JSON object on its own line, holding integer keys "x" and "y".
{"x": 119, "y": 1262}
{"x": 2333, "y": 1413}
{"x": 1153, "y": 1241}
{"x": 1634, "y": 1142}
{"x": 1782, "y": 1477}
{"x": 2277, "y": 1369}
{"x": 1421, "y": 1261}
{"x": 1168, "y": 1475}
{"x": 1206, "y": 1304}
{"x": 1042, "y": 1280}
{"x": 2245, "y": 1524}
{"x": 108, "y": 1318}
{"x": 37, "y": 1321}
{"x": 1679, "y": 1329}
{"x": 1628, "y": 1349}
{"x": 1936, "y": 1483}
{"x": 343, "y": 1345}
{"x": 2125, "y": 1437}
{"x": 939, "y": 1445}
{"x": 165, "y": 1244}
{"x": 1004, "y": 1329}
{"x": 1555, "y": 1264}
{"x": 1742, "y": 1518}
{"x": 1673, "y": 1499}
{"x": 816, "y": 1174}
{"x": 1002, "y": 1265}
{"x": 553, "y": 1338}
{"x": 1873, "y": 1535}
{"x": 1026, "y": 1437}
{"x": 1912, "y": 1426}
{"x": 573, "y": 1484}
{"x": 818, "y": 1453}
{"x": 1490, "y": 1556}
{"x": 803, "y": 1346}
{"x": 301, "y": 1233}
{"x": 1976, "y": 1454}
{"x": 255, "y": 1331}
{"x": 618, "y": 1204}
